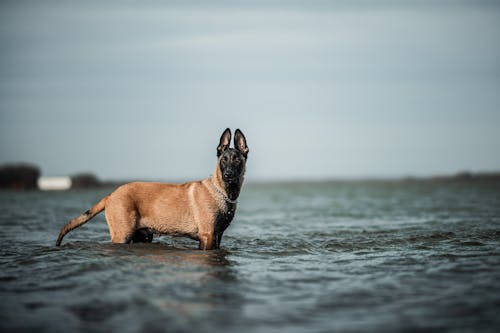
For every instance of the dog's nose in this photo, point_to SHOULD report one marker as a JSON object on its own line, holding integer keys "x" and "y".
{"x": 228, "y": 173}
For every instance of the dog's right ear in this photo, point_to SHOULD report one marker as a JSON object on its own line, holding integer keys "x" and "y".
{"x": 225, "y": 139}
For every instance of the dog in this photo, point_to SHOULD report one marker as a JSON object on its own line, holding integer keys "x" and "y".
{"x": 201, "y": 210}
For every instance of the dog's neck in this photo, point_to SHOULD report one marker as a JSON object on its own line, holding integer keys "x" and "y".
{"x": 231, "y": 190}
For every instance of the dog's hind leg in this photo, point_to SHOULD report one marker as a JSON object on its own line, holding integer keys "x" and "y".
{"x": 121, "y": 236}
{"x": 142, "y": 235}
{"x": 122, "y": 222}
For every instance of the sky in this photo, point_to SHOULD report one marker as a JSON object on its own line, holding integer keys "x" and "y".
{"x": 321, "y": 89}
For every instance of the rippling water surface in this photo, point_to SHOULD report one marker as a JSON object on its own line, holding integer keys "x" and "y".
{"x": 341, "y": 256}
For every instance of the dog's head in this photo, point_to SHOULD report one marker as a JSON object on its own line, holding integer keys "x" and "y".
{"x": 232, "y": 160}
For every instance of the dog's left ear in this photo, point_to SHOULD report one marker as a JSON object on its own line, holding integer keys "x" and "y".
{"x": 240, "y": 142}
{"x": 225, "y": 139}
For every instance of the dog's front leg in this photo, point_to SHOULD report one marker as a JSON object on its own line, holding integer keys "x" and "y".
{"x": 206, "y": 241}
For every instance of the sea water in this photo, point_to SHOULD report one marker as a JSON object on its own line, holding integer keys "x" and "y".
{"x": 386, "y": 256}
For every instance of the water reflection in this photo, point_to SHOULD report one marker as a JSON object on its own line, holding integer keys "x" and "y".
{"x": 176, "y": 285}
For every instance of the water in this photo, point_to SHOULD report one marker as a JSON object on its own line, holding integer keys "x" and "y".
{"x": 344, "y": 256}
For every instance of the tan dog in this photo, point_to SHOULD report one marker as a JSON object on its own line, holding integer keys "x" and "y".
{"x": 201, "y": 210}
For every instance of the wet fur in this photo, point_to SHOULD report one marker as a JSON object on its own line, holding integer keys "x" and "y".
{"x": 198, "y": 210}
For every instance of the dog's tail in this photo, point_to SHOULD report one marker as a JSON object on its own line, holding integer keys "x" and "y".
{"x": 85, "y": 217}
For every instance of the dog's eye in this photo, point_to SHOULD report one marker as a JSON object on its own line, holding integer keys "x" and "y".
{"x": 236, "y": 161}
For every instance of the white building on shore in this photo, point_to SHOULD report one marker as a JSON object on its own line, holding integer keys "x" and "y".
{"x": 54, "y": 183}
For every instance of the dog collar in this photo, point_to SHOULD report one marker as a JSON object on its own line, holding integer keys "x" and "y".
{"x": 221, "y": 193}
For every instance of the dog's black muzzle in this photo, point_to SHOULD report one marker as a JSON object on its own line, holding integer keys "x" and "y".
{"x": 229, "y": 176}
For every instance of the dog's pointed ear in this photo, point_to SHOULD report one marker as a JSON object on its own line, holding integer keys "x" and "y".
{"x": 240, "y": 142}
{"x": 225, "y": 139}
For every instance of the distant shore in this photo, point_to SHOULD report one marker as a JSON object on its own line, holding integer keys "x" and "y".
{"x": 23, "y": 177}
{"x": 461, "y": 177}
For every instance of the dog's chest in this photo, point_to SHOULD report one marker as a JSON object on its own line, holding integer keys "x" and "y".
{"x": 224, "y": 218}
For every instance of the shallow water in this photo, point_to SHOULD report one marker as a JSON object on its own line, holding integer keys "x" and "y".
{"x": 340, "y": 256}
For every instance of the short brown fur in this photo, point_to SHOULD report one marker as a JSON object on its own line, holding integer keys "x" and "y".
{"x": 192, "y": 209}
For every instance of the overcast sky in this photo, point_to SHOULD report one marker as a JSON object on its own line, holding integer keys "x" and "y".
{"x": 321, "y": 89}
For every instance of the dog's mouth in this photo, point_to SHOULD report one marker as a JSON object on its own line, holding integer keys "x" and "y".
{"x": 230, "y": 179}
